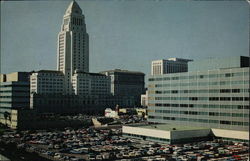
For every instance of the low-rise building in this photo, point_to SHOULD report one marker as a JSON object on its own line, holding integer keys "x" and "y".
{"x": 166, "y": 133}
{"x": 14, "y": 94}
{"x": 179, "y": 134}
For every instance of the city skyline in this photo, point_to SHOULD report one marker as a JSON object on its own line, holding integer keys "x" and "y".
{"x": 177, "y": 29}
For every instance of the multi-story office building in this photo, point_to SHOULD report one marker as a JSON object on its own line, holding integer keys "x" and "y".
{"x": 14, "y": 94}
{"x": 171, "y": 65}
{"x": 47, "y": 81}
{"x": 127, "y": 83}
{"x": 215, "y": 98}
{"x": 90, "y": 84}
{"x": 73, "y": 45}
{"x": 210, "y": 100}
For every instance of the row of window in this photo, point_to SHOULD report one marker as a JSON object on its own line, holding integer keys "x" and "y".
{"x": 203, "y": 83}
{"x": 49, "y": 74}
{"x": 52, "y": 90}
{"x": 203, "y": 113}
{"x": 15, "y": 91}
{"x": 50, "y": 79}
{"x": 13, "y": 97}
{"x": 146, "y": 137}
{"x": 16, "y": 102}
{"x": 77, "y": 21}
{"x": 53, "y": 83}
{"x": 204, "y": 91}
{"x": 204, "y": 98}
{"x": 67, "y": 102}
{"x": 239, "y": 74}
{"x": 202, "y": 106}
{"x": 223, "y": 122}
{"x": 14, "y": 85}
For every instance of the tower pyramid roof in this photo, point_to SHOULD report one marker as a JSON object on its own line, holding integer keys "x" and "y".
{"x": 73, "y": 8}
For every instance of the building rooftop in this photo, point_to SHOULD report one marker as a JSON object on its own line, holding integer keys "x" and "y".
{"x": 180, "y": 59}
{"x": 122, "y": 71}
{"x": 73, "y": 8}
{"x": 48, "y": 71}
{"x": 95, "y": 74}
{"x": 175, "y": 59}
{"x": 170, "y": 127}
{"x": 219, "y": 63}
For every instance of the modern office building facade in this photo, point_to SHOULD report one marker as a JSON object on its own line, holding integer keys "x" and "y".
{"x": 14, "y": 94}
{"x": 171, "y": 65}
{"x": 127, "y": 83}
{"x": 214, "y": 98}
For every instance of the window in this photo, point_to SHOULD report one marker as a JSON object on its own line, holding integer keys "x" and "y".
{"x": 228, "y": 74}
{"x": 225, "y": 122}
{"x": 236, "y": 90}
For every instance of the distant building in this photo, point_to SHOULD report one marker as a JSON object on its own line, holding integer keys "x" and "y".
{"x": 127, "y": 83}
{"x": 144, "y": 99}
{"x": 215, "y": 96}
{"x": 14, "y": 94}
{"x": 171, "y": 65}
{"x": 47, "y": 81}
{"x": 73, "y": 45}
{"x": 90, "y": 84}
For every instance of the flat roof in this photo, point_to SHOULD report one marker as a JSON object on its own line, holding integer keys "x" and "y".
{"x": 169, "y": 127}
{"x": 122, "y": 71}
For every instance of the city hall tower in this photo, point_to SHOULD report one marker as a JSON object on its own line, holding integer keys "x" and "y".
{"x": 73, "y": 45}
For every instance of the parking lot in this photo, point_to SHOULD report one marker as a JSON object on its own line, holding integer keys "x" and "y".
{"x": 109, "y": 144}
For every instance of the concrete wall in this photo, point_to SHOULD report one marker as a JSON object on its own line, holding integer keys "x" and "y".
{"x": 146, "y": 132}
{"x": 233, "y": 134}
{"x": 190, "y": 133}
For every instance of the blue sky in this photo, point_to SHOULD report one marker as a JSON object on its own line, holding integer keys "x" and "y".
{"x": 125, "y": 34}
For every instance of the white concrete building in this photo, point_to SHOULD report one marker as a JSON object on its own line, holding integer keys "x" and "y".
{"x": 47, "y": 81}
{"x": 171, "y": 134}
{"x": 90, "y": 84}
{"x": 171, "y": 65}
{"x": 73, "y": 45}
{"x": 174, "y": 134}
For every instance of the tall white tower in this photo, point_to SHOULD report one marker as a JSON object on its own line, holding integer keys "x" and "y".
{"x": 73, "y": 45}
